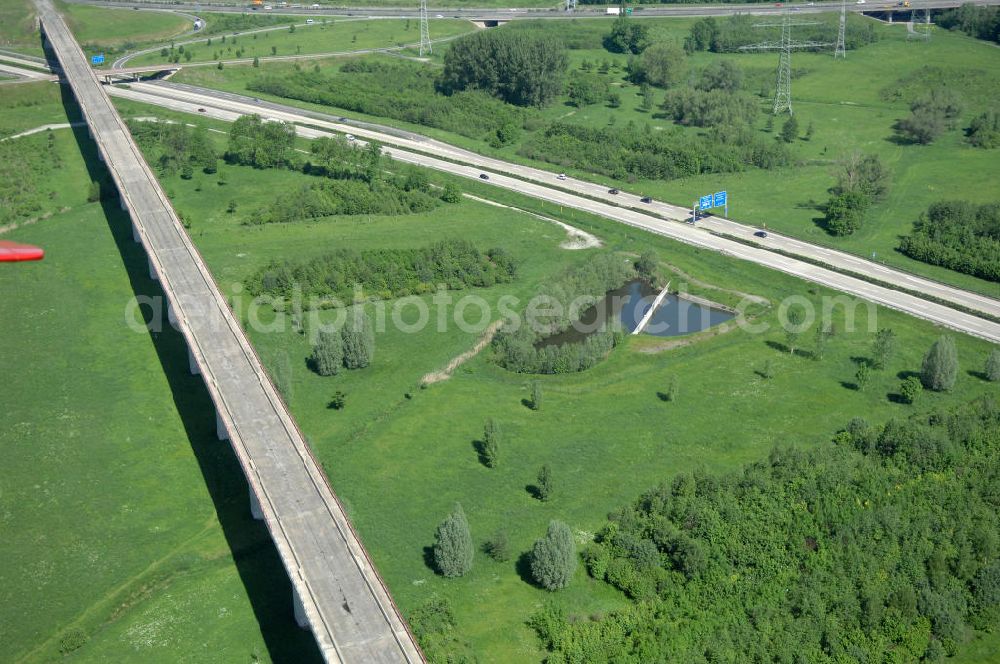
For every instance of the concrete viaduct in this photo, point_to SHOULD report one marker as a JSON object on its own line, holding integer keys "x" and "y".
{"x": 337, "y": 591}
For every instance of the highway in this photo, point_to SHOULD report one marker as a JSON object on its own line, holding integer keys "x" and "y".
{"x": 555, "y": 11}
{"x": 336, "y": 588}
{"x": 543, "y": 185}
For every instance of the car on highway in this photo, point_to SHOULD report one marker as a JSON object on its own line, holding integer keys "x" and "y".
{"x": 314, "y": 6}
{"x": 201, "y": 110}
{"x": 309, "y": 21}
{"x": 484, "y": 176}
{"x": 349, "y": 137}
{"x": 861, "y": 2}
{"x": 438, "y": 15}
{"x": 760, "y": 234}
{"x": 561, "y": 176}
{"x": 613, "y": 191}
{"x": 646, "y": 199}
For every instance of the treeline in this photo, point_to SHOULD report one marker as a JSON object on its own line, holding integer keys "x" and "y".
{"x": 979, "y": 22}
{"x": 336, "y": 197}
{"x": 399, "y": 90}
{"x": 960, "y": 236}
{"x": 514, "y": 345}
{"x": 885, "y": 542}
{"x": 621, "y": 152}
{"x": 386, "y": 273}
{"x": 177, "y": 147}
{"x": 728, "y": 35}
{"x": 931, "y": 114}
{"x": 517, "y": 67}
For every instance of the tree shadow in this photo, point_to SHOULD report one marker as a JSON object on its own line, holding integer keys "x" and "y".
{"x": 860, "y": 360}
{"x": 850, "y": 386}
{"x": 903, "y": 375}
{"x": 523, "y": 568}
{"x": 533, "y": 491}
{"x": 528, "y": 403}
{"x": 253, "y": 551}
{"x": 429, "y": 559}
{"x": 480, "y": 447}
{"x": 778, "y": 346}
{"x": 981, "y": 375}
{"x": 895, "y": 397}
{"x": 663, "y": 396}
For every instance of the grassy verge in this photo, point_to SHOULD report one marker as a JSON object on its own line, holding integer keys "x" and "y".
{"x": 111, "y": 28}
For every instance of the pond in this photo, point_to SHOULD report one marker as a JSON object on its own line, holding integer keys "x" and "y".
{"x": 627, "y": 305}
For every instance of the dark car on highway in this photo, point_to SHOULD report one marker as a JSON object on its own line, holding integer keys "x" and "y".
{"x": 647, "y": 199}
{"x": 613, "y": 191}
{"x": 484, "y": 176}
{"x": 760, "y": 234}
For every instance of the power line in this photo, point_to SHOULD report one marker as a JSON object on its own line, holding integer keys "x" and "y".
{"x": 783, "y": 86}
{"x": 841, "y": 50}
{"x": 425, "y": 33}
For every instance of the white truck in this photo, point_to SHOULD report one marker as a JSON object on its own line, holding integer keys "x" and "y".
{"x": 613, "y": 11}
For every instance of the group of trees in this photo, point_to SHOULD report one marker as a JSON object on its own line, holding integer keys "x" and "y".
{"x": 400, "y": 90}
{"x": 885, "y": 542}
{"x": 521, "y": 348}
{"x": 984, "y": 130}
{"x": 862, "y": 181}
{"x": 351, "y": 347}
{"x": 25, "y": 165}
{"x": 930, "y": 115}
{"x": 553, "y": 558}
{"x": 958, "y": 235}
{"x": 386, "y": 273}
{"x": 979, "y": 22}
{"x": 639, "y": 152}
{"x": 517, "y": 67}
{"x": 728, "y": 35}
{"x": 259, "y": 143}
{"x": 627, "y": 36}
{"x": 663, "y": 64}
{"x": 177, "y": 147}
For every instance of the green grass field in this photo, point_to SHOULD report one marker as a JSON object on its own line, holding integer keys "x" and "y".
{"x": 30, "y": 105}
{"x": 336, "y": 36}
{"x": 17, "y": 27}
{"x": 128, "y": 527}
{"x": 400, "y": 462}
{"x": 111, "y": 28}
{"x": 850, "y": 103}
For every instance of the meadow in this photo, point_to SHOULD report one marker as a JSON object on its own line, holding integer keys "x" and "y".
{"x": 400, "y": 455}
{"x": 851, "y": 104}
{"x": 324, "y": 36}
{"x": 129, "y": 533}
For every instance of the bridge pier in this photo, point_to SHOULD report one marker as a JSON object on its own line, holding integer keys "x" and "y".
{"x": 152, "y": 270}
{"x": 135, "y": 228}
{"x": 220, "y": 427}
{"x": 124, "y": 205}
{"x": 255, "y": 511}
{"x": 192, "y": 364}
{"x": 300, "y": 611}
{"x": 172, "y": 316}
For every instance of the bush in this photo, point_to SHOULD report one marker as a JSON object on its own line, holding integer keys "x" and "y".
{"x": 546, "y": 485}
{"x": 984, "y": 130}
{"x": 790, "y": 129}
{"x": 844, "y": 213}
{"x": 553, "y": 558}
{"x": 700, "y": 108}
{"x": 453, "y": 545}
{"x": 940, "y": 366}
{"x": 253, "y": 142}
{"x": 492, "y": 438}
{"x": 663, "y": 65}
{"x": 992, "y": 369}
{"x": 930, "y": 115}
{"x": 94, "y": 193}
{"x": 627, "y": 36}
{"x": 910, "y": 389}
{"x": 960, "y": 236}
{"x": 498, "y": 546}
{"x": 338, "y": 401}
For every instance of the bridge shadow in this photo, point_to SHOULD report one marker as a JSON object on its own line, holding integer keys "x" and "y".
{"x": 253, "y": 551}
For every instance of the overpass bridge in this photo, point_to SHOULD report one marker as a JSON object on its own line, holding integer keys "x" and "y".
{"x": 337, "y": 591}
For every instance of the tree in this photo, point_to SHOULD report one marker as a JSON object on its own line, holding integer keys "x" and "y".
{"x": 863, "y": 377}
{"x": 231, "y": 207}
{"x": 536, "y": 396}
{"x": 328, "y": 353}
{"x": 790, "y": 130}
{"x": 627, "y": 36}
{"x": 672, "y": 389}
{"x": 219, "y": 65}
{"x": 453, "y": 544}
{"x": 94, "y": 193}
{"x": 646, "y": 265}
{"x": 338, "y": 400}
{"x": 451, "y": 193}
{"x": 810, "y": 131}
{"x": 586, "y": 89}
{"x": 940, "y": 367}
{"x": 491, "y": 443}
{"x": 992, "y": 369}
{"x": 910, "y": 389}
{"x": 545, "y": 484}
{"x": 614, "y": 100}
{"x": 260, "y": 144}
{"x": 883, "y": 348}
{"x": 822, "y": 338}
{"x": 793, "y": 328}
{"x": 256, "y": 61}
{"x": 863, "y": 174}
{"x": 518, "y": 67}
{"x": 553, "y": 558}
{"x": 359, "y": 339}
{"x": 844, "y": 213}
{"x": 648, "y": 97}
{"x": 663, "y": 64}
{"x": 721, "y": 75}
{"x": 497, "y": 547}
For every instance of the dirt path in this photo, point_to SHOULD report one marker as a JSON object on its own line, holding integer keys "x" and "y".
{"x": 445, "y": 374}
{"x": 577, "y": 239}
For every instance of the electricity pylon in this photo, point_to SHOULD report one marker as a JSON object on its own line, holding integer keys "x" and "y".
{"x": 841, "y": 50}
{"x": 920, "y": 24}
{"x": 783, "y": 87}
{"x": 425, "y": 33}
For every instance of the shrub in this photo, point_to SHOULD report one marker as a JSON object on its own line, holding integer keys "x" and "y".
{"x": 546, "y": 485}
{"x": 498, "y": 546}
{"x": 960, "y": 236}
{"x": 910, "y": 389}
{"x": 453, "y": 545}
{"x": 492, "y": 437}
{"x": 328, "y": 353}
{"x": 553, "y": 558}
{"x": 359, "y": 339}
{"x": 940, "y": 366}
{"x": 992, "y": 369}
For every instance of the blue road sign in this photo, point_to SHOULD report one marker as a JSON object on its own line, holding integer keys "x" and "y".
{"x": 720, "y": 199}
{"x": 705, "y": 202}
{"x": 97, "y": 59}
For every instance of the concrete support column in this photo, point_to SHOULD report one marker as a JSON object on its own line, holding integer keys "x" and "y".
{"x": 192, "y": 364}
{"x": 124, "y": 205}
{"x": 100, "y": 155}
{"x": 300, "y": 611}
{"x": 152, "y": 270}
{"x": 255, "y": 511}
{"x": 172, "y": 316}
{"x": 220, "y": 428}
{"x": 135, "y": 229}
